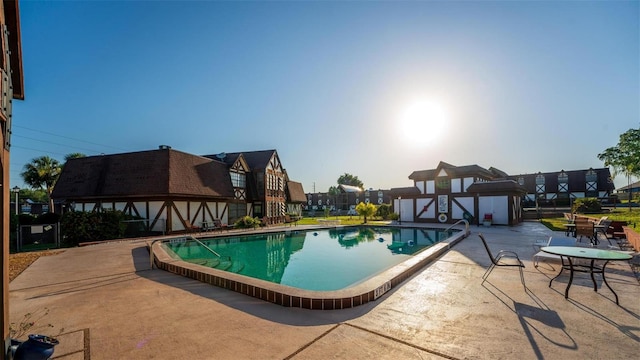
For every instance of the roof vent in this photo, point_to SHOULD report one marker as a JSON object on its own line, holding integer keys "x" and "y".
{"x": 164, "y": 147}
{"x": 221, "y": 156}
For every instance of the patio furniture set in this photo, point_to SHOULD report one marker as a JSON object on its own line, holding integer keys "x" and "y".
{"x": 571, "y": 257}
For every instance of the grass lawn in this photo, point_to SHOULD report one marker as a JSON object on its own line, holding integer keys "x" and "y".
{"x": 344, "y": 220}
{"x": 631, "y": 217}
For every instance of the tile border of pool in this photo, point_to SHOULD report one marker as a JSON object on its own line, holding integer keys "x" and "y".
{"x": 362, "y": 293}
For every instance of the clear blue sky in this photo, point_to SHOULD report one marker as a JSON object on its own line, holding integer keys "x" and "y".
{"x": 520, "y": 86}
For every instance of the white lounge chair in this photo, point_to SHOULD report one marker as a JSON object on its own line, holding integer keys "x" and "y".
{"x": 553, "y": 241}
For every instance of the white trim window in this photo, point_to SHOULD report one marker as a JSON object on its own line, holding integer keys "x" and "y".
{"x": 540, "y": 188}
{"x": 563, "y": 182}
{"x": 238, "y": 179}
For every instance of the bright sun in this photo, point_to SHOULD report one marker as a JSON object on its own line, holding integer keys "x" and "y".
{"x": 423, "y": 122}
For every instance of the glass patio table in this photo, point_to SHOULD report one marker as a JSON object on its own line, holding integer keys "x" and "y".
{"x": 591, "y": 254}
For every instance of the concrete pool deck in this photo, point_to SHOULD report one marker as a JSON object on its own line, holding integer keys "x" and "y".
{"x": 106, "y": 303}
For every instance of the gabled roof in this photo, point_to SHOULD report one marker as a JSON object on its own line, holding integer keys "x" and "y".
{"x": 257, "y": 160}
{"x": 296, "y": 192}
{"x": 160, "y": 172}
{"x": 454, "y": 171}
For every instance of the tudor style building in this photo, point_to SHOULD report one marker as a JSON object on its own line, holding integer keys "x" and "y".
{"x": 175, "y": 190}
{"x": 450, "y": 193}
{"x": 272, "y": 195}
{"x": 347, "y": 198}
{"x": 560, "y": 188}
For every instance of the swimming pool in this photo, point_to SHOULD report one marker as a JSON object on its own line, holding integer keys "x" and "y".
{"x": 321, "y": 260}
{"x": 330, "y": 269}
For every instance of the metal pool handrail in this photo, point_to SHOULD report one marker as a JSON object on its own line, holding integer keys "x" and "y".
{"x": 186, "y": 238}
{"x": 466, "y": 223}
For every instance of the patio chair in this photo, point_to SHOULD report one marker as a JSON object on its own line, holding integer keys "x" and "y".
{"x": 569, "y": 217}
{"x": 190, "y": 228}
{"x": 603, "y": 228}
{"x": 585, "y": 228}
{"x": 291, "y": 221}
{"x": 599, "y": 221}
{"x": 553, "y": 241}
{"x": 499, "y": 260}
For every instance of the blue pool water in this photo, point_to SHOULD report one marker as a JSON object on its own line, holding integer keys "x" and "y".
{"x": 320, "y": 260}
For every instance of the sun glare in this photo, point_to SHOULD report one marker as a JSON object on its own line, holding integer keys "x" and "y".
{"x": 423, "y": 122}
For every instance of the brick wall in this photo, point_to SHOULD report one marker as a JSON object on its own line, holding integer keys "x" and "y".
{"x": 633, "y": 237}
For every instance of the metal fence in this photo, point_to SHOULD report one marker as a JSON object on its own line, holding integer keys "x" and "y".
{"x": 40, "y": 236}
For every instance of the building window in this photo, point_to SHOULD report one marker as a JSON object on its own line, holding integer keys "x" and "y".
{"x": 238, "y": 180}
{"x": 563, "y": 182}
{"x": 521, "y": 181}
{"x": 591, "y": 182}
{"x": 236, "y": 211}
{"x": 443, "y": 183}
{"x": 540, "y": 184}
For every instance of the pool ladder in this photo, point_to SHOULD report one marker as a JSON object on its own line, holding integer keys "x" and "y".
{"x": 466, "y": 223}
{"x": 187, "y": 238}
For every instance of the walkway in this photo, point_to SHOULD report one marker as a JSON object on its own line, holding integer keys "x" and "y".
{"x": 107, "y": 304}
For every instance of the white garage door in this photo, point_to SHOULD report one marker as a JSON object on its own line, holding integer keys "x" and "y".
{"x": 497, "y": 206}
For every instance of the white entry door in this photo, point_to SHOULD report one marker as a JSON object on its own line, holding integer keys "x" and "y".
{"x": 406, "y": 209}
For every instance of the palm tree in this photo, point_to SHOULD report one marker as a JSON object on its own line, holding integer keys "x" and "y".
{"x": 75, "y": 155}
{"x": 42, "y": 172}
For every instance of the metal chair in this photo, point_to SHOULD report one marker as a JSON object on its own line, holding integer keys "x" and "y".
{"x": 499, "y": 260}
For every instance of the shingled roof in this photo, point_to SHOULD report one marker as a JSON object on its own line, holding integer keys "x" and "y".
{"x": 457, "y": 171}
{"x": 497, "y": 186}
{"x": 296, "y": 192}
{"x": 145, "y": 174}
{"x": 257, "y": 160}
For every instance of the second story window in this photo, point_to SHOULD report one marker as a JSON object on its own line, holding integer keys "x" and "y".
{"x": 563, "y": 182}
{"x": 443, "y": 183}
{"x": 540, "y": 188}
{"x": 591, "y": 182}
{"x": 238, "y": 180}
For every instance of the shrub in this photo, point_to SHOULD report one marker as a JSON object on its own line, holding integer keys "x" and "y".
{"x": 247, "y": 222}
{"x": 26, "y": 219}
{"x": 384, "y": 210}
{"x": 393, "y": 216}
{"x": 586, "y": 205}
{"x": 47, "y": 218}
{"x": 80, "y": 226}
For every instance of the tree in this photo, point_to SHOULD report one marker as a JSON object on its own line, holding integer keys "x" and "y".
{"x": 42, "y": 173}
{"x": 334, "y": 192}
{"x": 366, "y": 210}
{"x": 37, "y": 195}
{"x": 625, "y": 157}
{"x": 73, "y": 156}
{"x": 348, "y": 179}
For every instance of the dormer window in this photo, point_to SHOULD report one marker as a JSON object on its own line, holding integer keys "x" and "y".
{"x": 563, "y": 182}
{"x": 540, "y": 188}
{"x": 238, "y": 180}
